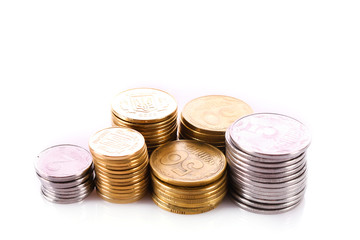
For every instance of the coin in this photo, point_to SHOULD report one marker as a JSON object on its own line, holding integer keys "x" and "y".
{"x": 267, "y": 164}
{"x": 152, "y": 112}
{"x": 206, "y": 118}
{"x": 121, "y": 164}
{"x": 188, "y": 177}
{"x": 187, "y": 163}
{"x": 65, "y": 173}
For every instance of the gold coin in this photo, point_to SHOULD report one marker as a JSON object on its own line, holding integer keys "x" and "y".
{"x": 123, "y": 173}
{"x": 214, "y": 113}
{"x": 192, "y": 136}
{"x": 109, "y": 190}
{"x": 190, "y": 191}
{"x": 116, "y": 143}
{"x": 187, "y": 163}
{"x": 205, "y": 136}
{"x": 126, "y": 181}
{"x": 143, "y": 105}
{"x": 191, "y": 203}
{"x": 181, "y": 210}
{"x": 116, "y": 186}
{"x": 120, "y": 200}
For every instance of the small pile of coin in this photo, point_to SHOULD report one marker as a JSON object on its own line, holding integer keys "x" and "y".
{"x": 267, "y": 164}
{"x": 65, "y": 173}
{"x": 121, "y": 164}
{"x": 206, "y": 118}
{"x": 188, "y": 177}
{"x": 150, "y": 111}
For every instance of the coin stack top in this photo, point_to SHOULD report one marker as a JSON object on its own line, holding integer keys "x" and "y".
{"x": 152, "y": 112}
{"x": 121, "y": 164}
{"x": 185, "y": 170}
{"x": 267, "y": 164}
{"x": 206, "y": 118}
{"x": 65, "y": 172}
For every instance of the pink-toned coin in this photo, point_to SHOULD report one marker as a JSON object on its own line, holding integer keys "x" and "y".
{"x": 269, "y": 135}
{"x": 63, "y": 163}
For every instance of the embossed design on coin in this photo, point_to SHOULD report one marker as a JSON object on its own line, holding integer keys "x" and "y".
{"x": 187, "y": 163}
{"x": 214, "y": 112}
{"x": 143, "y": 105}
{"x": 270, "y": 134}
{"x": 116, "y": 142}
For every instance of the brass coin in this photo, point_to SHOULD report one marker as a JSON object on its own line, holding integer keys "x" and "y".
{"x": 180, "y": 210}
{"x": 123, "y": 173}
{"x": 120, "y": 186}
{"x": 116, "y": 143}
{"x": 214, "y": 113}
{"x": 192, "y": 203}
{"x": 110, "y": 178}
{"x": 209, "y": 141}
{"x": 187, "y": 163}
{"x": 192, "y": 196}
{"x": 119, "y": 195}
{"x": 143, "y": 105}
{"x": 107, "y": 190}
{"x": 190, "y": 191}
{"x": 204, "y": 136}
{"x": 119, "y": 200}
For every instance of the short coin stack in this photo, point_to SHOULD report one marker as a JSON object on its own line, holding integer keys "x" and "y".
{"x": 267, "y": 165}
{"x": 206, "y": 118}
{"x": 188, "y": 177}
{"x": 150, "y": 111}
{"x": 121, "y": 164}
{"x": 66, "y": 173}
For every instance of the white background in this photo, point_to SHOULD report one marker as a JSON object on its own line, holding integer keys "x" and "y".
{"x": 61, "y": 62}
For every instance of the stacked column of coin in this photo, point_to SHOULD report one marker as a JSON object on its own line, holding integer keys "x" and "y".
{"x": 121, "y": 164}
{"x": 152, "y": 112}
{"x": 65, "y": 173}
{"x": 267, "y": 165}
{"x": 206, "y": 118}
{"x": 188, "y": 177}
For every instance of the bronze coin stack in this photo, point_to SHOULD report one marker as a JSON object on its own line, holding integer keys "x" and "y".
{"x": 150, "y": 111}
{"x": 206, "y": 118}
{"x": 121, "y": 164}
{"x": 188, "y": 177}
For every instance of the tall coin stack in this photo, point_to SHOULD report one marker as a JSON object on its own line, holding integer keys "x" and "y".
{"x": 267, "y": 164}
{"x": 206, "y": 118}
{"x": 121, "y": 164}
{"x": 150, "y": 111}
{"x": 66, "y": 173}
{"x": 188, "y": 177}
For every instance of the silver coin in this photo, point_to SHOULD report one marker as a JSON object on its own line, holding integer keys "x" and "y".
{"x": 65, "y": 200}
{"x": 60, "y": 185}
{"x": 282, "y": 179}
{"x": 63, "y": 163}
{"x": 238, "y": 183}
{"x": 282, "y": 200}
{"x": 270, "y": 136}
{"x": 243, "y": 178}
{"x": 258, "y": 205}
{"x": 78, "y": 193}
{"x": 74, "y": 189}
{"x": 263, "y": 211}
{"x": 268, "y": 169}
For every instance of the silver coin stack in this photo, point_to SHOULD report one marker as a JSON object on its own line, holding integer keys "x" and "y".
{"x": 267, "y": 165}
{"x": 66, "y": 173}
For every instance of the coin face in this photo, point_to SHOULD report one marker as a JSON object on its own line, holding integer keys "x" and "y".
{"x": 214, "y": 112}
{"x": 143, "y": 105}
{"x": 63, "y": 161}
{"x": 268, "y": 134}
{"x": 187, "y": 163}
{"x": 116, "y": 142}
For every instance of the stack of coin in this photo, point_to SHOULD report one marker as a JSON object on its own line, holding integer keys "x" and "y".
{"x": 121, "y": 164}
{"x": 150, "y": 111}
{"x": 188, "y": 177}
{"x": 66, "y": 173}
{"x": 206, "y": 118}
{"x": 267, "y": 164}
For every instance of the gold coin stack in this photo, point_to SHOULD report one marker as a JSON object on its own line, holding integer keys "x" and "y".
{"x": 206, "y": 118}
{"x": 150, "y": 111}
{"x": 188, "y": 177}
{"x": 121, "y": 164}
